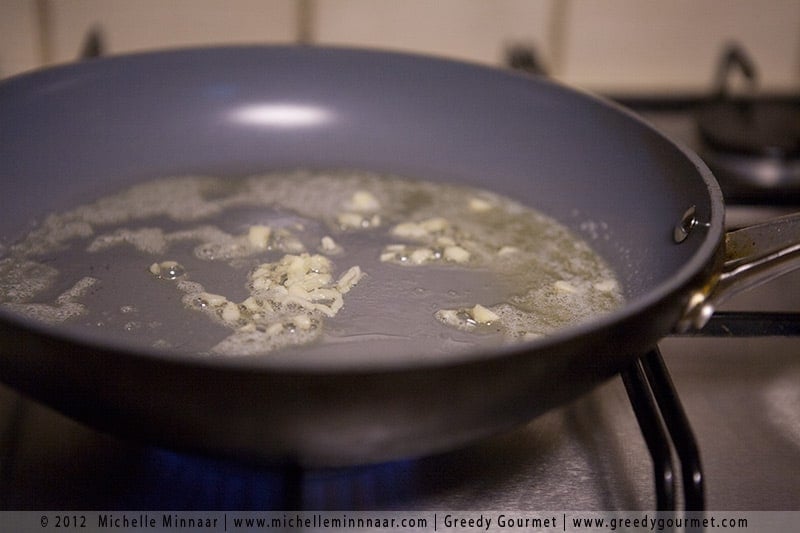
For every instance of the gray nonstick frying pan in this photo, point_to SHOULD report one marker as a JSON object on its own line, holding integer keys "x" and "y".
{"x": 73, "y": 133}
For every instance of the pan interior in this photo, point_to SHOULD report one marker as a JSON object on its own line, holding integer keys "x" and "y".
{"x": 83, "y": 131}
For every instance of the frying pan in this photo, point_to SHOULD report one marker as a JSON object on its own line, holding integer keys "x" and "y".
{"x": 649, "y": 207}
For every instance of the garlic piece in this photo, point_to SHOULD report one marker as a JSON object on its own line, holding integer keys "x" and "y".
{"x": 410, "y": 230}
{"x": 349, "y": 279}
{"x": 350, "y": 220}
{"x": 364, "y": 202}
{"x": 328, "y": 245}
{"x": 483, "y": 315}
{"x": 214, "y": 300}
{"x": 170, "y": 270}
{"x": 479, "y": 205}
{"x": 261, "y": 283}
{"x": 564, "y": 287}
{"x": 456, "y": 254}
{"x": 230, "y": 312}
{"x": 507, "y": 250}
{"x": 607, "y": 285}
{"x": 420, "y": 255}
{"x": 251, "y": 304}
{"x": 301, "y": 321}
{"x": 258, "y": 236}
{"x": 436, "y": 224}
{"x": 274, "y": 329}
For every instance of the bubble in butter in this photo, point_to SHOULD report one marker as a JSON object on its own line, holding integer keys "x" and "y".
{"x": 282, "y": 264}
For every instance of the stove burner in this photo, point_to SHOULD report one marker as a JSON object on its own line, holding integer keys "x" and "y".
{"x": 769, "y": 129}
{"x": 753, "y": 148}
{"x": 751, "y": 144}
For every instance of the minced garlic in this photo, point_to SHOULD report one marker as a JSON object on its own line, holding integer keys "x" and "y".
{"x": 564, "y": 287}
{"x": 468, "y": 319}
{"x": 409, "y": 230}
{"x": 328, "y": 245}
{"x": 456, "y": 254}
{"x": 483, "y": 315}
{"x": 364, "y": 202}
{"x": 258, "y": 236}
{"x": 479, "y": 204}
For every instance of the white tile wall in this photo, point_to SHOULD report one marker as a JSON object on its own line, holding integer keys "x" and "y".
{"x": 608, "y": 45}
{"x": 20, "y": 45}
{"x": 476, "y": 30}
{"x": 135, "y": 25}
{"x": 641, "y": 45}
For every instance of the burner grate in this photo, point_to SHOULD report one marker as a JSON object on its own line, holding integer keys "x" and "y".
{"x": 660, "y": 414}
{"x": 663, "y": 422}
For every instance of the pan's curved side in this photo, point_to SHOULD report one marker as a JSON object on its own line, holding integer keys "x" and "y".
{"x": 75, "y": 133}
{"x": 314, "y": 418}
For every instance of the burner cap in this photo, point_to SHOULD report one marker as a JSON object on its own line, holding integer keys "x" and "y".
{"x": 753, "y": 127}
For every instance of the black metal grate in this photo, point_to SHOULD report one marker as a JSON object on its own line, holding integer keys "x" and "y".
{"x": 661, "y": 417}
{"x": 665, "y": 427}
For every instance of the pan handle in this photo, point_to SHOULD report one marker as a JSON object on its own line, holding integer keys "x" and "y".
{"x": 752, "y": 255}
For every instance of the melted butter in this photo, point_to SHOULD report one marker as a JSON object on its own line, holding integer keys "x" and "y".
{"x": 291, "y": 261}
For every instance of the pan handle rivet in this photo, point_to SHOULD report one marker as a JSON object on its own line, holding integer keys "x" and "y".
{"x": 687, "y": 222}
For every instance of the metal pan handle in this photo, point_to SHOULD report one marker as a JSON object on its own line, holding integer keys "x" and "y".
{"x": 753, "y": 255}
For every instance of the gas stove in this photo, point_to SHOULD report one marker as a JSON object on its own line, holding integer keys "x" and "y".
{"x": 725, "y": 404}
